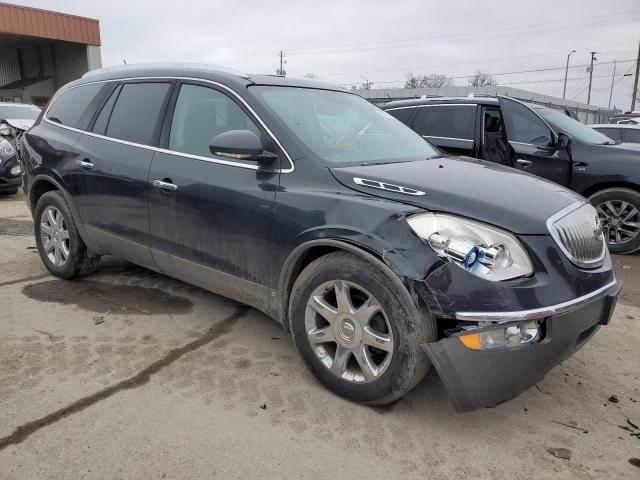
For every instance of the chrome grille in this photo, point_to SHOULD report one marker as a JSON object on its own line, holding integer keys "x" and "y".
{"x": 578, "y": 232}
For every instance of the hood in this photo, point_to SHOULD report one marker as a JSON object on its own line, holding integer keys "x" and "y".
{"x": 484, "y": 191}
{"x": 20, "y": 123}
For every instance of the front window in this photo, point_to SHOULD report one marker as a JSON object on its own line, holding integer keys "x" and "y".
{"x": 579, "y": 131}
{"x": 19, "y": 113}
{"x": 343, "y": 128}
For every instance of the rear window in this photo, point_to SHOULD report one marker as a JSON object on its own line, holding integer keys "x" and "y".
{"x": 631, "y": 135}
{"x": 612, "y": 133}
{"x": 455, "y": 121}
{"x": 74, "y": 106}
{"x": 136, "y": 114}
{"x": 403, "y": 114}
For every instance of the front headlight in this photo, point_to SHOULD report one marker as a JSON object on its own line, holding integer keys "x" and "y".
{"x": 7, "y": 130}
{"x": 6, "y": 148}
{"x": 481, "y": 249}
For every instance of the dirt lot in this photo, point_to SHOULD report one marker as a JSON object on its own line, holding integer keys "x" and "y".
{"x": 129, "y": 374}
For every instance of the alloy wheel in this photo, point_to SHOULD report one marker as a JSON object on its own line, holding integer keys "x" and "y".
{"x": 620, "y": 221}
{"x": 55, "y": 236}
{"x": 348, "y": 331}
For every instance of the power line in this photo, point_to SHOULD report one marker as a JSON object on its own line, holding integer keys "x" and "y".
{"x": 442, "y": 65}
{"x": 537, "y": 70}
{"x": 475, "y": 36}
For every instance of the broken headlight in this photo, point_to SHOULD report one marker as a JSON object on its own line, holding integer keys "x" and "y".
{"x": 481, "y": 249}
{"x": 6, "y": 148}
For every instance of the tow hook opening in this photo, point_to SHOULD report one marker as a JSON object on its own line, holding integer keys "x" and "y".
{"x": 490, "y": 336}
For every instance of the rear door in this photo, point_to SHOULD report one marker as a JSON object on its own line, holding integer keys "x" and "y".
{"x": 112, "y": 181}
{"x": 451, "y": 127}
{"x": 211, "y": 217}
{"x": 532, "y": 143}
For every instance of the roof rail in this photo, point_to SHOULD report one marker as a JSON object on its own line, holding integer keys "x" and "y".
{"x": 152, "y": 65}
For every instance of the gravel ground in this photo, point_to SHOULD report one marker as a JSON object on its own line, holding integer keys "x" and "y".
{"x": 129, "y": 374}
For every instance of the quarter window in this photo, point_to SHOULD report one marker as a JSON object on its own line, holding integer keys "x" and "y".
{"x": 403, "y": 114}
{"x": 631, "y": 135}
{"x": 612, "y": 133}
{"x": 200, "y": 114}
{"x": 71, "y": 107}
{"x": 136, "y": 114}
{"x": 455, "y": 121}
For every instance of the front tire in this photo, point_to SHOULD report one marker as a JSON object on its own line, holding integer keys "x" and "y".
{"x": 356, "y": 331}
{"x": 619, "y": 211}
{"x": 60, "y": 247}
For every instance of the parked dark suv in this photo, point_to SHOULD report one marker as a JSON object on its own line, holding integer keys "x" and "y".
{"x": 542, "y": 141}
{"x": 308, "y": 203}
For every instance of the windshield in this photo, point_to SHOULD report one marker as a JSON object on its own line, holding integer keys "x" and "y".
{"x": 344, "y": 128}
{"x": 579, "y": 131}
{"x": 18, "y": 113}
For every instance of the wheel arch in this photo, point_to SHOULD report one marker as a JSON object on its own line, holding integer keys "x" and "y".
{"x": 40, "y": 184}
{"x": 311, "y": 250}
{"x": 598, "y": 187}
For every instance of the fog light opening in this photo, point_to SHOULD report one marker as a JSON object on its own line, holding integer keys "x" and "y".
{"x": 15, "y": 171}
{"x": 513, "y": 335}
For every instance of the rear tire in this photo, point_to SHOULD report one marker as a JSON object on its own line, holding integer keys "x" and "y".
{"x": 60, "y": 247}
{"x": 619, "y": 211}
{"x": 370, "y": 350}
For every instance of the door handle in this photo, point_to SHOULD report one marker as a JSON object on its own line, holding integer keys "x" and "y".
{"x": 524, "y": 163}
{"x": 86, "y": 164}
{"x": 165, "y": 184}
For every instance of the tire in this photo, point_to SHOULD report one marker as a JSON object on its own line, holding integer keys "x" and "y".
{"x": 402, "y": 326}
{"x": 77, "y": 261}
{"x": 9, "y": 192}
{"x": 609, "y": 203}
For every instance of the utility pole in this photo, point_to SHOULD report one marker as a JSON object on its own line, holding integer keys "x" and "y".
{"x": 566, "y": 72}
{"x": 635, "y": 84}
{"x": 281, "y": 70}
{"x": 613, "y": 78}
{"x": 593, "y": 59}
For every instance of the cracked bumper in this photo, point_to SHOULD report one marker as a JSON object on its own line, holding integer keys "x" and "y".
{"x": 485, "y": 378}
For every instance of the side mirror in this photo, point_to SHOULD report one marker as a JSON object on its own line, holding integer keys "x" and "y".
{"x": 240, "y": 145}
{"x": 564, "y": 141}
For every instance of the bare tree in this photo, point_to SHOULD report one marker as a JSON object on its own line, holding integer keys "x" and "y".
{"x": 432, "y": 80}
{"x": 366, "y": 85}
{"x": 482, "y": 79}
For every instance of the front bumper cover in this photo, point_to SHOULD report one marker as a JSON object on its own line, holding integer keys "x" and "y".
{"x": 485, "y": 378}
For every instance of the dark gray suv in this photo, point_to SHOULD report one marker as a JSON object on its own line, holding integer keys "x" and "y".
{"x": 380, "y": 255}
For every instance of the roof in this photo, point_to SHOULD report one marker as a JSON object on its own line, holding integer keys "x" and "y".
{"x": 196, "y": 70}
{"x": 477, "y": 100}
{"x": 15, "y": 104}
{"x": 34, "y": 22}
{"x": 616, "y": 125}
{"x": 23, "y": 83}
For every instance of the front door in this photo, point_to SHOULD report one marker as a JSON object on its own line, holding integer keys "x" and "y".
{"x": 111, "y": 186}
{"x": 532, "y": 143}
{"x": 210, "y": 217}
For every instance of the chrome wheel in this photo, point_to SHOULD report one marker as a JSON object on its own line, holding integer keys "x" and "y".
{"x": 620, "y": 221}
{"x": 349, "y": 331}
{"x": 54, "y": 236}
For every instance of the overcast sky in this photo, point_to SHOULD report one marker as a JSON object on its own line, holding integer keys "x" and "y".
{"x": 344, "y": 41}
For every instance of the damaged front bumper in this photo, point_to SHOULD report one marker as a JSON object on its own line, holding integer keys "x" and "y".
{"x": 477, "y": 378}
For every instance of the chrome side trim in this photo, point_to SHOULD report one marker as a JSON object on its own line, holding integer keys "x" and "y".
{"x": 289, "y": 169}
{"x": 389, "y": 187}
{"x": 537, "y": 313}
{"x": 449, "y": 138}
{"x": 434, "y": 105}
